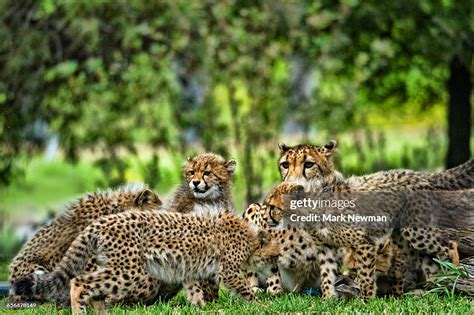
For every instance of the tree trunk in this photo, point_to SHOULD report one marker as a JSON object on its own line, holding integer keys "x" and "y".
{"x": 459, "y": 113}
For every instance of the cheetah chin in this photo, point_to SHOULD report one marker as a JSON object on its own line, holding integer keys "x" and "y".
{"x": 211, "y": 193}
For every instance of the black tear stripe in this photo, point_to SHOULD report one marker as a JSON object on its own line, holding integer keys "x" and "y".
{"x": 288, "y": 170}
{"x": 205, "y": 183}
{"x": 304, "y": 168}
{"x": 320, "y": 169}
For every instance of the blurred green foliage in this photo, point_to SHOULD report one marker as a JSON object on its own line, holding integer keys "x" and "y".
{"x": 126, "y": 81}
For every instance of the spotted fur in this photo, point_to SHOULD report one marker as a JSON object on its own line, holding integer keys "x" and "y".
{"x": 303, "y": 260}
{"x": 45, "y": 250}
{"x": 364, "y": 242}
{"x": 172, "y": 247}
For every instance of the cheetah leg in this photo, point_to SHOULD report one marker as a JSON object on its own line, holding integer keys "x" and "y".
{"x": 63, "y": 299}
{"x": 210, "y": 289}
{"x": 274, "y": 284}
{"x": 78, "y": 305}
{"x": 98, "y": 306}
{"x": 364, "y": 256}
{"x": 453, "y": 252}
{"x": 149, "y": 290}
{"x": 233, "y": 279}
{"x": 87, "y": 288}
{"x": 252, "y": 279}
{"x": 194, "y": 293}
{"x": 111, "y": 300}
{"x": 328, "y": 267}
{"x": 428, "y": 267}
{"x": 398, "y": 271}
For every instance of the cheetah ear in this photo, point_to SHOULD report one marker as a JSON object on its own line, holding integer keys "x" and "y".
{"x": 147, "y": 196}
{"x": 331, "y": 148}
{"x": 230, "y": 166}
{"x": 283, "y": 147}
{"x": 297, "y": 189}
{"x": 189, "y": 158}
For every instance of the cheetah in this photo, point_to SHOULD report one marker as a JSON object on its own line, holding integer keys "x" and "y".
{"x": 171, "y": 247}
{"x": 365, "y": 240}
{"x": 45, "y": 250}
{"x": 206, "y": 190}
{"x": 299, "y": 260}
{"x": 207, "y": 186}
{"x": 302, "y": 257}
{"x": 312, "y": 167}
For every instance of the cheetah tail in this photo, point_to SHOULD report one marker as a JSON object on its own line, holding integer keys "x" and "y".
{"x": 54, "y": 284}
{"x": 459, "y": 177}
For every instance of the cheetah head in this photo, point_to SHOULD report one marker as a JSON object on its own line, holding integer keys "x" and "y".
{"x": 146, "y": 199}
{"x": 135, "y": 196}
{"x": 276, "y": 201}
{"x": 304, "y": 162}
{"x": 208, "y": 175}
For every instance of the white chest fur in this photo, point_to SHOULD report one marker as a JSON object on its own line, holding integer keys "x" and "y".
{"x": 207, "y": 209}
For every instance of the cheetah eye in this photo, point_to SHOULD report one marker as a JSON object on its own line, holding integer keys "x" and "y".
{"x": 285, "y": 165}
{"x": 191, "y": 173}
{"x": 308, "y": 164}
{"x": 207, "y": 173}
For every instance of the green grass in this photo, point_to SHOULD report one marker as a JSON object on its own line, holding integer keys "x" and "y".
{"x": 286, "y": 303}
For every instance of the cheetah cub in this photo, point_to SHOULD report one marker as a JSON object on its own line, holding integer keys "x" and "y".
{"x": 207, "y": 186}
{"x": 172, "y": 247}
{"x": 45, "y": 250}
{"x": 206, "y": 190}
{"x": 302, "y": 258}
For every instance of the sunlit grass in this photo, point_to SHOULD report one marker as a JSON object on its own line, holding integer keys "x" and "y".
{"x": 290, "y": 303}
{"x": 285, "y": 303}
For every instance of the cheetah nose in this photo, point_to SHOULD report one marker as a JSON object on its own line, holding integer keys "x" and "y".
{"x": 196, "y": 183}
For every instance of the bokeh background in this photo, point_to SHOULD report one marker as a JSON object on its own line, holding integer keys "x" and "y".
{"x": 98, "y": 93}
